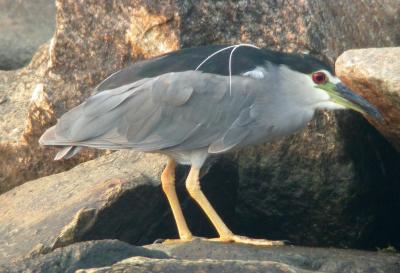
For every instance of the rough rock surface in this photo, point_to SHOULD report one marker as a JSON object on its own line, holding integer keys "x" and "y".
{"x": 116, "y": 196}
{"x": 200, "y": 256}
{"x": 312, "y": 259}
{"x": 139, "y": 265}
{"x": 24, "y": 26}
{"x": 58, "y": 210}
{"x": 335, "y": 183}
{"x": 375, "y": 74}
{"x": 24, "y": 110}
{"x": 83, "y": 255}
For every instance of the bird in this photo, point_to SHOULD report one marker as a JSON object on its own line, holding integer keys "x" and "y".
{"x": 195, "y": 103}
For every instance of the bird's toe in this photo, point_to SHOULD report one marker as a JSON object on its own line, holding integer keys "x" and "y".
{"x": 260, "y": 242}
{"x": 249, "y": 241}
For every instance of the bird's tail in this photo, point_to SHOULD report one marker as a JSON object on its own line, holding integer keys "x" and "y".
{"x": 49, "y": 138}
{"x": 67, "y": 152}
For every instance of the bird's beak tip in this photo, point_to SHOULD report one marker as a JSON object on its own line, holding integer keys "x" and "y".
{"x": 357, "y": 103}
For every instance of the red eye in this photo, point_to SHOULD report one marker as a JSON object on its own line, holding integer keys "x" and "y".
{"x": 319, "y": 77}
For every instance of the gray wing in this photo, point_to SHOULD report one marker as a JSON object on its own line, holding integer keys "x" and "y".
{"x": 180, "y": 111}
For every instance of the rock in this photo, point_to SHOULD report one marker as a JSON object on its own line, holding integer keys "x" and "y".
{"x": 79, "y": 256}
{"x": 24, "y": 109}
{"x": 59, "y": 210}
{"x": 375, "y": 74}
{"x": 334, "y": 183}
{"x": 116, "y": 196}
{"x": 24, "y": 26}
{"x": 327, "y": 260}
{"x": 140, "y": 264}
{"x": 202, "y": 256}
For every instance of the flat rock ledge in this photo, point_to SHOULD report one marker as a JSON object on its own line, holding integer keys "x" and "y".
{"x": 203, "y": 256}
{"x": 116, "y": 196}
{"x": 58, "y": 210}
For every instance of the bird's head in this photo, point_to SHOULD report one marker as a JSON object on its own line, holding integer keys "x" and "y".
{"x": 312, "y": 83}
{"x": 337, "y": 95}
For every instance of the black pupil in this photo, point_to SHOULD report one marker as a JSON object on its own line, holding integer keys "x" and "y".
{"x": 320, "y": 78}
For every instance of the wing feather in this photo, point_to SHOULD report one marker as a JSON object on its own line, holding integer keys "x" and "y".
{"x": 180, "y": 111}
{"x": 236, "y": 133}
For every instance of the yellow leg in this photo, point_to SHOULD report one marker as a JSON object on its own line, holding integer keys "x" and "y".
{"x": 225, "y": 235}
{"x": 168, "y": 185}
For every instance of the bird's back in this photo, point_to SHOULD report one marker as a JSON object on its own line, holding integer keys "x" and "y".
{"x": 199, "y": 98}
{"x": 175, "y": 111}
{"x": 212, "y": 59}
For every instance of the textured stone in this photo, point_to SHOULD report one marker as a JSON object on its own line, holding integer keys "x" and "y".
{"x": 334, "y": 183}
{"x": 24, "y": 26}
{"x": 59, "y": 210}
{"x": 25, "y": 109}
{"x": 78, "y": 256}
{"x": 201, "y": 256}
{"x": 327, "y": 260}
{"x": 140, "y": 264}
{"x": 116, "y": 196}
{"x": 375, "y": 74}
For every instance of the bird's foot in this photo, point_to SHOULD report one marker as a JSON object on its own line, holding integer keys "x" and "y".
{"x": 172, "y": 241}
{"x": 228, "y": 239}
{"x": 246, "y": 240}
{"x": 182, "y": 239}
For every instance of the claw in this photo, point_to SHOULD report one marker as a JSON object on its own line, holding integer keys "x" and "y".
{"x": 159, "y": 241}
{"x": 253, "y": 241}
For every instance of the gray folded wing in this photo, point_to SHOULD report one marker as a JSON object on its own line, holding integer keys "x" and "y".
{"x": 180, "y": 111}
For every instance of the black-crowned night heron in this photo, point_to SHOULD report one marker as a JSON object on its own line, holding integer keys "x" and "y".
{"x": 197, "y": 102}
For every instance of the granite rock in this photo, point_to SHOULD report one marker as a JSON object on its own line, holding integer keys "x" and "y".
{"x": 310, "y": 259}
{"x": 375, "y": 74}
{"x": 201, "y": 256}
{"x": 115, "y": 196}
{"x": 24, "y": 26}
{"x": 334, "y": 183}
{"x": 61, "y": 209}
{"x": 79, "y": 256}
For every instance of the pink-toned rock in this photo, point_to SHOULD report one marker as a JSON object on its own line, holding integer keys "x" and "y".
{"x": 22, "y": 30}
{"x": 375, "y": 74}
{"x": 58, "y": 210}
{"x": 114, "y": 196}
